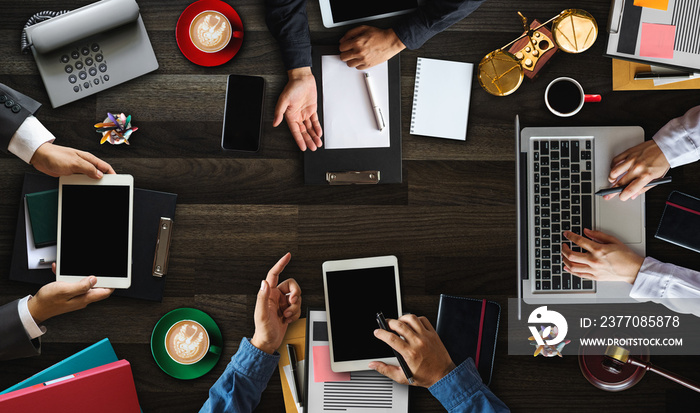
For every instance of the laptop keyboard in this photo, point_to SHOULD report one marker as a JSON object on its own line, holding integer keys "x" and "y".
{"x": 562, "y": 184}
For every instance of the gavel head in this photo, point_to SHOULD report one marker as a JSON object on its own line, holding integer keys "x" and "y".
{"x": 615, "y": 359}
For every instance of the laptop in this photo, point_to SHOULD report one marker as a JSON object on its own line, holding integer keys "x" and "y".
{"x": 91, "y": 49}
{"x": 558, "y": 171}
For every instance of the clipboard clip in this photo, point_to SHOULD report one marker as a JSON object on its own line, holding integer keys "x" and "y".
{"x": 160, "y": 260}
{"x": 353, "y": 177}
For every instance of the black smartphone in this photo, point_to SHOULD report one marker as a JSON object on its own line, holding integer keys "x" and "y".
{"x": 243, "y": 113}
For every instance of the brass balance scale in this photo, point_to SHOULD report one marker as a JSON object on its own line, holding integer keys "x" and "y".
{"x": 502, "y": 71}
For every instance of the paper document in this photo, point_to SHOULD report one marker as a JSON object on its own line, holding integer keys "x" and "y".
{"x": 365, "y": 391}
{"x": 35, "y": 255}
{"x": 441, "y": 98}
{"x": 348, "y": 118}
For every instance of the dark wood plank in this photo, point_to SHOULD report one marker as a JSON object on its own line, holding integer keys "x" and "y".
{"x": 451, "y": 222}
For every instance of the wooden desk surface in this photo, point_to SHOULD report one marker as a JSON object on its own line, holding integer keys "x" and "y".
{"x": 451, "y": 222}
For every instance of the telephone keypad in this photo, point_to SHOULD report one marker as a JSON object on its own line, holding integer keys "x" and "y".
{"x": 92, "y": 69}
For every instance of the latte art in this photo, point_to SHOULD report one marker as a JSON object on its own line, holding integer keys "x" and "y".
{"x": 187, "y": 346}
{"x": 210, "y": 31}
{"x": 210, "y": 35}
{"x": 187, "y": 342}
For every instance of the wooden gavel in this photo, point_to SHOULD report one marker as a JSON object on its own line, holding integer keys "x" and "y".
{"x": 616, "y": 357}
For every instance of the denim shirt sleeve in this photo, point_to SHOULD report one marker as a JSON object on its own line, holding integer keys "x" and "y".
{"x": 431, "y": 18}
{"x": 463, "y": 391}
{"x": 289, "y": 25}
{"x": 679, "y": 139}
{"x": 238, "y": 390}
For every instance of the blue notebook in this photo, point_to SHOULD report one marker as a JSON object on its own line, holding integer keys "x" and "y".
{"x": 96, "y": 355}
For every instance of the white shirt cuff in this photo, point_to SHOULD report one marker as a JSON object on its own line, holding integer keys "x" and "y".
{"x": 33, "y": 330}
{"x": 679, "y": 139}
{"x": 30, "y": 135}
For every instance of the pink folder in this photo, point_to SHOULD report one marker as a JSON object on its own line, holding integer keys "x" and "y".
{"x": 106, "y": 389}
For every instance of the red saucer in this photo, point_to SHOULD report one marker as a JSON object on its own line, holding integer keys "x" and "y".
{"x": 185, "y": 44}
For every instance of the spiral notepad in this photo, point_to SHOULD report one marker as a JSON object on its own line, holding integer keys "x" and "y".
{"x": 441, "y": 99}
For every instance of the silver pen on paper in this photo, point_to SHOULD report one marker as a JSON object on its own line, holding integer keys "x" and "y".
{"x": 377, "y": 111}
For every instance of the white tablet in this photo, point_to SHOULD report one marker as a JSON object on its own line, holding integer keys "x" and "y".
{"x": 95, "y": 221}
{"x": 341, "y": 12}
{"x": 356, "y": 290}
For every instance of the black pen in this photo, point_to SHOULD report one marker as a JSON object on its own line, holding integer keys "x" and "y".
{"x": 655, "y": 75}
{"x": 384, "y": 326}
{"x": 618, "y": 189}
{"x": 293, "y": 367}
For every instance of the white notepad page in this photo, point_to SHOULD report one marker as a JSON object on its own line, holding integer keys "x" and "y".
{"x": 348, "y": 118}
{"x": 441, "y": 98}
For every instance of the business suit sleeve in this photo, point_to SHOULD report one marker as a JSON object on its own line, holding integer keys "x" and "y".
{"x": 431, "y": 18}
{"x": 14, "y": 340}
{"x": 14, "y": 109}
{"x": 289, "y": 25}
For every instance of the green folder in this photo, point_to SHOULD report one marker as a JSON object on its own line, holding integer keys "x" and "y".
{"x": 43, "y": 216}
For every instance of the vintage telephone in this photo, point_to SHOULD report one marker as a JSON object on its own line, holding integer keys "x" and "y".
{"x": 90, "y": 49}
{"x": 502, "y": 71}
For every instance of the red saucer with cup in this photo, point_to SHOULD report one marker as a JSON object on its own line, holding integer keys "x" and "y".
{"x": 209, "y": 32}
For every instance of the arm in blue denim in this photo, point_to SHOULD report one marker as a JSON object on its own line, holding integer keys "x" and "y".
{"x": 238, "y": 390}
{"x": 463, "y": 391}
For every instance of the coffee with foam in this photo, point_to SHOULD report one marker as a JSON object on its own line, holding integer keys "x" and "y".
{"x": 187, "y": 342}
{"x": 210, "y": 31}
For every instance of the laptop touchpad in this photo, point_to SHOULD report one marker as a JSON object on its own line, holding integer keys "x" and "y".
{"x": 624, "y": 220}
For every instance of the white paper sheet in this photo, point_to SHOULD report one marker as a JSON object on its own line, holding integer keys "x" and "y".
{"x": 34, "y": 255}
{"x": 664, "y": 70}
{"x": 348, "y": 118}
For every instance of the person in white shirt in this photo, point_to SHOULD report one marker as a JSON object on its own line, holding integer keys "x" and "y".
{"x": 23, "y": 135}
{"x": 608, "y": 259}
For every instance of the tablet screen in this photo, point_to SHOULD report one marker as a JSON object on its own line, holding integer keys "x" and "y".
{"x": 355, "y": 297}
{"x": 95, "y": 230}
{"x": 346, "y": 10}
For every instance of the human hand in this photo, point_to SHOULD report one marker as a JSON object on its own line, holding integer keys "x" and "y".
{"x": 366, "y": 46}
{"x": 636, "y": 167}
{"x": 297, "y": 104}
{"x": 277, "y": 306}
{"x": 421, "y": 347}
{"x": 607, "y": 259}
{"x": 55, "y": 160}
{"x": 60, "y": 297}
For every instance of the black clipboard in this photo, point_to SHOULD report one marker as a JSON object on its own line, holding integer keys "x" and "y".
{"x": 362, "y": 165}
{"x": 149, "y": 207}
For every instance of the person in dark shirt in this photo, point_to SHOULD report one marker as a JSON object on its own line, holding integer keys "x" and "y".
{"x": 361, "y": 47}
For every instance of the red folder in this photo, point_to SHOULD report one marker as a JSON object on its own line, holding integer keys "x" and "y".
{"x": 105, "y": 389}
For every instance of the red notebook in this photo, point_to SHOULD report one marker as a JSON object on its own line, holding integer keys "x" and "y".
{"x": 105, "y": 389}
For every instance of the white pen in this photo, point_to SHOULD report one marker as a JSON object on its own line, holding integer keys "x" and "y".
{"x": 375, "y": 108}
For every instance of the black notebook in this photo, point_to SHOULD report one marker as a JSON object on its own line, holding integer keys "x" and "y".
{"x": 468, "y": 328}
{"x": 680, "y": 222}
{"x": 149, "y": 206}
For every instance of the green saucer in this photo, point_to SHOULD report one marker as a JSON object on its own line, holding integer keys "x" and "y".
{"x": 170, "y": 366}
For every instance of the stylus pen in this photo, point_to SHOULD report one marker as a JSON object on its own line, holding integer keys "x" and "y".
{"x": 385, "y": 326}
{"x": 377, "y": 111}
{"x": 293, "y": 368}
{"x": 618, "y": 189}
